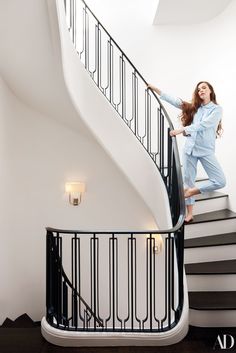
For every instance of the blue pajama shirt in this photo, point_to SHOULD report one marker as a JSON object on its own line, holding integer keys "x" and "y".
{"x": 200, "y": 146}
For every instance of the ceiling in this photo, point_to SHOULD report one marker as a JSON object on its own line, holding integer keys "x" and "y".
{"x": 184, "y": 12}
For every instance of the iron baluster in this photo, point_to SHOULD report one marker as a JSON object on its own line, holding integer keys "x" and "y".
{"x": 49, "y": 277}
{"x": 131, "y": 281}
{"x": 134, "y": 102}
{"x": 120, "y": 84}
{"x": 86, "y": 41}
{"x": 58, "y": 281}
{"x": 154, "y": 294}
{"x": 135, "y": 284}
{"x": 163, "y": 150}
{"x": 128, "y": 285}
{"x": 98, "y": 57}
{"x": 148, "y": 119}
{"x": 110, "y": 283}
{"x": 170, "y": 254}
{"x": 147, "y": 285}
{"x": 108, "y": 70}
{"x": 162, "y": 127}
{"x": 74, "y": 282}
{"x": 75, "y": 22}
{"x": 83, "y": 34}
{"x": 117, "y": 284}
{"x": 166, "y": 282}
{"x": 111, "y": 76}
{"x": 113, "y": 281}
{"x": 150, "y": 279}
{"x": 65, "y": 321}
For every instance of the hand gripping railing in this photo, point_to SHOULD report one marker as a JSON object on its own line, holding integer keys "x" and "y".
{"x": 141, "y": 110}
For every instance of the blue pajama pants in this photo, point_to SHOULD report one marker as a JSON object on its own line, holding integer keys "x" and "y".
{"x": 211, "y": 167}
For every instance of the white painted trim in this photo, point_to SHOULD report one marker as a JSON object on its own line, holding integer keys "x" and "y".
{"x": 107, "y": 339}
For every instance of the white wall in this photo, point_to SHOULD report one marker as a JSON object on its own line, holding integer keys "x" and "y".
{"x": 37, "y": 156}
{"x": 107, "y": 128}
{"x": 175, "y": 58}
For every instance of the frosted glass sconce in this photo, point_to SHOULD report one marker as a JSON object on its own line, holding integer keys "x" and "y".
{"x": 75, "y": 191}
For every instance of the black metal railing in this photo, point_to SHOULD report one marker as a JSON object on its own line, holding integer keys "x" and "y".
{"x": 131, "y": 281}
{"x": 126, "y": 90}
{"x": 96, "y": 272}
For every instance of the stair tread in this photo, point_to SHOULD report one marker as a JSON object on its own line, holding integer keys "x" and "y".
{"x": 212, "y": 300}
{"x": 220, "y": 215}
{"x": 211, "y": 240}
{"x": 211, "y": 268}
{"x": 210, "y": 196}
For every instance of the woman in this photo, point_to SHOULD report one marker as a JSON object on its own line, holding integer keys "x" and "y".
{"x": 201, "y": 123}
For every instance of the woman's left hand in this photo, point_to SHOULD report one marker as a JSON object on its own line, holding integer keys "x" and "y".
{"x": 176, "y": 132}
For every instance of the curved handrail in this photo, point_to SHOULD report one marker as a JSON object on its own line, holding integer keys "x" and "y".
{"x": 136, "y": 70}
{"x": 178, "y": 220}
{"x": 164, "y": 152}
{"x": 156, "y": 231}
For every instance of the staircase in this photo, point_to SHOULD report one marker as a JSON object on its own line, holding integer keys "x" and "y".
{"x": 76, "y": 320}
{"x": 210, "y": 262}
{"x": 117, "y": 287}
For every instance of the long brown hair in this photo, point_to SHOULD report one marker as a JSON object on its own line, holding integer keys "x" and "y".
{"x": 189, "y": 109}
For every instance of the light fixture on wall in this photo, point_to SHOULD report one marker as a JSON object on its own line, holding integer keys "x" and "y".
{"x": 157, "y": 248}
{"x": 75, "y": 190}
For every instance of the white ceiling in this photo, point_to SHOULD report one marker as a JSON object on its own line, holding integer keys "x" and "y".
{"x": 182, "y": 12}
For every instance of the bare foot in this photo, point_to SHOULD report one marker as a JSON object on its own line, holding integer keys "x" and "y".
{"x": 191, "y": 192}
{"x": 189, "y": 218}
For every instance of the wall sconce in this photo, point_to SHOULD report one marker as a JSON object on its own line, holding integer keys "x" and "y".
{"x": 75, "y": 191}
{"x": 157, "y": 248}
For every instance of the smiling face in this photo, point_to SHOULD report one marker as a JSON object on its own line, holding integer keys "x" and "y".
{"x": 204, "y": 92}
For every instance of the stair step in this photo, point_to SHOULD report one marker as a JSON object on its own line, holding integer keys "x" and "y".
{"x": 211, "y": 223}
{"x": 225, "y": 300}
{"x": 213, "y": 216}
{"x": 212, "y": 297}
{"x": 210, "y": 248}
{"x": 211, "y": 282}
{"x": 210, "y": 196}
{"x": 209, "y": 268}
{"x": 210, "y": 202}
{"x": 212, "y": 240}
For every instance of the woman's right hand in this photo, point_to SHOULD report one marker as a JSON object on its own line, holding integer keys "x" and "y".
{"x": 153, "y": 88}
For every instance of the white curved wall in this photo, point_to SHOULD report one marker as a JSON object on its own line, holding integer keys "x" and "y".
{"x": 43, "y": 144}
{"x": 37, "y": 156}
{"x": 110, "y": 130}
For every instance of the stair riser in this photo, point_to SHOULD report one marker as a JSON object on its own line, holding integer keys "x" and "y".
{"x": 210, "y": 205}
{"x": 212, "y": 318}
{"x": 210, "y": 228}
{"x": 197, "y": 283}
{"x": 212, "y": 253}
